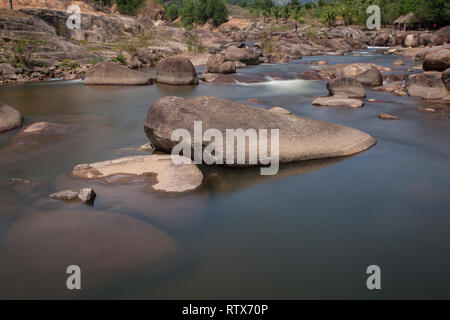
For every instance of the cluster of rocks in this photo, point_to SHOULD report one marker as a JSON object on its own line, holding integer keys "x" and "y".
{"x": 411, "y": 39}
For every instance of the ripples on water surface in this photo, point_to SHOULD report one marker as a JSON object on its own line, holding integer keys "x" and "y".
{"x": 309, "y": 232}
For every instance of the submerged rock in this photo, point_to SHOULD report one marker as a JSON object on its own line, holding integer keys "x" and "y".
{"x": 108, "y": 73}
{"x": 106, "y": 245}
{"x": 209, "y": 77}
{"x": 387, "y": 116}
{"x": 299, "y": 138}
{"x": 346, "y": 87}
{"x": 176, "y": 70}
{"x": 86, "y": 195}
{"x": 160, "y": 170}
{"x": 338, "y": 101}
{"x": 10, "y": 118}
{"x": 427, "y": 85}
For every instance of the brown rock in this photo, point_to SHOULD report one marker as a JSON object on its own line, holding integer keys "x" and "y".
{"x": 176, "y": 70}
{"x": 10, "y": 118}
{"x": 346, "y": 87}
{"x": 108, "y": 73}
{"x": 387, "y": 116}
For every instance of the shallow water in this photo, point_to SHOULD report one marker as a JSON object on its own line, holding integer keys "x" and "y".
{"x": 309, "y": 232}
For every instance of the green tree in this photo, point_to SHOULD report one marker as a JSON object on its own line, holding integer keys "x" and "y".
{"x": 129, "y": 7}
{"x": 330, "y": 18}
{"x": 187, "y": 13}
{"x": 220, "y": 13}
{"x": 173, "y": 12}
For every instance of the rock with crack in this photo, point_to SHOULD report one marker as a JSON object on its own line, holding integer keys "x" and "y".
{"x": 10, "y": 118}
{"x": 299, "y": 138}
{"x": 160, "y": 170}
{"x": 338, "y": 101}
{"x": 108, "y": 73}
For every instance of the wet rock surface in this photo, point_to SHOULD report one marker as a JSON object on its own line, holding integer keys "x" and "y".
{"x": 10, "y": 118}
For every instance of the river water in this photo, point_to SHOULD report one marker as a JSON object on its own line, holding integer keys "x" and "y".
{"x": 309, "y": 232}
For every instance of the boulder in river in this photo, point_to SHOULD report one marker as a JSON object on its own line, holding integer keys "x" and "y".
{"x": 217, "y": 64}
{"x": 108, "y": 73}
{"x": 160, "y": 170}
{"x": 446, "y": 78}
{"x": 387, "y": 116}
{"x": 427, "y": 85}
{"x": 299, "y": 138}
{"x": 241, "y": 54}
{"x": 346, "y": 87}
{"x": 10, "y": 118}
{"x": 176, "y": 70}
{"x": 350, "y": 70}
{"x": 438, "y": 60}
{"x": 336, "y": 101}
{"x": 370, "y": 77}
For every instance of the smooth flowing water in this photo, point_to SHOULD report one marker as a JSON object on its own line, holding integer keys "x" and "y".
{"x": 309, "y": 232}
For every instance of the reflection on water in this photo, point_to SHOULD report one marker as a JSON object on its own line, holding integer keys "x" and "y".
{"x": 309, "y": 232}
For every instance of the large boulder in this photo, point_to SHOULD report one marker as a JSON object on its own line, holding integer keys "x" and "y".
{"x": 411, "y": 40}
{"x": 7, "y": 72}
{"x": 346, "y": 87}
{"x": 338, "y": 45}
{"x": 381, "y": 40}
{"x": 427, "y": 85}
{"x": 176, "y": 70}
{"x": 299, "y": 138}
{"x": 108, "y": 73}
{"x": 443, "y": 34}
{"x": 241, "y": 54}
{"x": 438, "y": 60}
{"x": 350, "y": 70}
{"x": 169, "y": 177}
{"x": 10, "y": 118}
{"x": 371, "y": 77}
{"x": 217, "y": 64}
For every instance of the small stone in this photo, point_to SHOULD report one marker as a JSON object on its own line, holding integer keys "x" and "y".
{"x": 66, "y": 195}
{"x": 399, "y": 62}
{"x": 387, "y": 116}
{"x": 148, "y": 147}
{"x": 87, "y": 195}
{"x": 371, "y": 100}
{"x": 322, "y": 62}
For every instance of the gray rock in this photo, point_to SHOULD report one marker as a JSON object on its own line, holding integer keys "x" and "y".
{"x": 241, "y": 54}
{"x": 299, "y": 138}
{"x": 66, "y": 195}
{"x": 371, "y": 77}
{"x": 176, "y": 70}
{"x": 160, "y": 171}
{"x": 346, "y": 87}
{"x": 427, "y": 85}
{"x": 338, "y": 101}
{"x": 87, "y": 195}
{"x": 437, "y": 60}
{"x": 10, "y": 118}
{"x": 108, "y": 73}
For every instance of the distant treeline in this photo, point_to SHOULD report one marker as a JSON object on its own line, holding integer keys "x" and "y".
{"x": 426, "y": 12}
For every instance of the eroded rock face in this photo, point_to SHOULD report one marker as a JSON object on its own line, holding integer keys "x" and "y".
{"x": 50, "y": 241}
{"x": 338, "y": 101}
{"x": 162, "y": 173}
{"x": 427, "y": 85}
{"x": 241, "y": 54}
{"x": 217, "y": 64}
{"x": 299, "y": 138}
{"x": 437, "y": 60}
{"x": 10, "y": 118}
{"x": 176, "y": 70}
{"x": 346, "y": 87}
{"x": 108, "y": 73}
